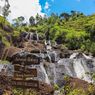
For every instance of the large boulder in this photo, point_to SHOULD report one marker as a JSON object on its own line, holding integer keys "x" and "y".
{"x": 9, "y": 52}
{"x": 75, "y": 86}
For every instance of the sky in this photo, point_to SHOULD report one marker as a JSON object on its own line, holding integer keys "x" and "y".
{"x": 29, "y": 8}
{"x": 59, "y": 6}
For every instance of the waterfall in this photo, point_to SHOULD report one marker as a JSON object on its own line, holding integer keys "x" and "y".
{"x": 46, "y": 76}
{"x": 73, "y": 55}
{"x": 69, "y": 72}
{"x": 27, "y": 36}
{"x": 55, "y": 78}
{"x": 48, "y": 45}
{"x": 68, "y": 66}
{"x": 81, "y": 69}
{"x": 49, "y": 58}
{"x": 87, "y": 57}
{"x": 48, "y": 55}
{"x": 78, "y": 66}
{"x": 47, "y": 42}
{"x": 1, "y": 66}
{"x": 55, "y": 56}
{"x": 31, "y": 36}
{"x": 37, "y": 36}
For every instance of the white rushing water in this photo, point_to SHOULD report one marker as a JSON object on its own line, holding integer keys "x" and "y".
{"x": 26, "y": 37}
{"x": 46, "y": 76}
{"x": 77, "y": 66}
{"x": 55, "y": 77}
{"x": 81, "y": 69}
{"x": 31, "y": 36}
{"x": 37, "y": 36}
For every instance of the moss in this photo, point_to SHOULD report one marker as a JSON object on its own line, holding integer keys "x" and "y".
{"x": 91, "y": 89}
{"x": 16, "y": 33}
{"x": 4, "y": 21}
{"x": 5, "y": 41}
{"x": 19, "y": 91}
{"x": 77, "y": 92}
{"x": 56, "y": 87}
{"x": 4, "y": 62}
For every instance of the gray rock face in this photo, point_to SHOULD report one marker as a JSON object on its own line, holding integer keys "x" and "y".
{"x": 41, "y": 73}
{"x": 7, "y": 69}
{"x": 78, "y": 66}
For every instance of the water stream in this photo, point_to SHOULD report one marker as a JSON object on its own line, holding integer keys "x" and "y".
{"x": 46, "y": 76}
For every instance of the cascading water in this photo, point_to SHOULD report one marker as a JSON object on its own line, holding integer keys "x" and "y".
{"x": 77, "y": 66}
{"x": 49, "y": 57}
{"x": 55, "y": 56}
{"x": 81, "y": 69}
{"x": 31, "y": 36}
{"x": 1, "y": 66}
{"x": 55, "y": 77}
{"x": 48, "y": 45}
{"x": 27, "y": 36}
{"x": 37, "y": 36}
{"x": 52, "y": 56}
{"x": 67, "y": 66}
{"x": 44, "y": 71}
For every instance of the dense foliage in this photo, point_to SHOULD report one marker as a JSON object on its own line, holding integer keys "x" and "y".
{"x": 75, "y": 30}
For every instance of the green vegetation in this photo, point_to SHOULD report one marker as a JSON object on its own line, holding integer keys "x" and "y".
{"x": 4, "y": 62}
{"x": 56, "y": 87}
{"x": 3, "y": 21}
{"x": 19, "y": 91}
{"x": 75, "y": 31}
{"x": 4, "y": 26}
{"x": 69, "y": 89}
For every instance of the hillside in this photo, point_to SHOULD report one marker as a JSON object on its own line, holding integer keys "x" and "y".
{"x": 75, "y": 31}
{"x": 64, "y": 43}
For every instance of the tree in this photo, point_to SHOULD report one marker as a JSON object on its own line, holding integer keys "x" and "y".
{"x": 53, "y": 19}
{"x": 65, "y": 16}
{"x": 21, "y": 20}
{"x": 73, "y": 13}
{"x": 92, "y": 32}
{"x": 38, "y": 19}
{"x": 18, "y": 21}
{"x": 32, "y": 20}
{"x": 5, "y": 10}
